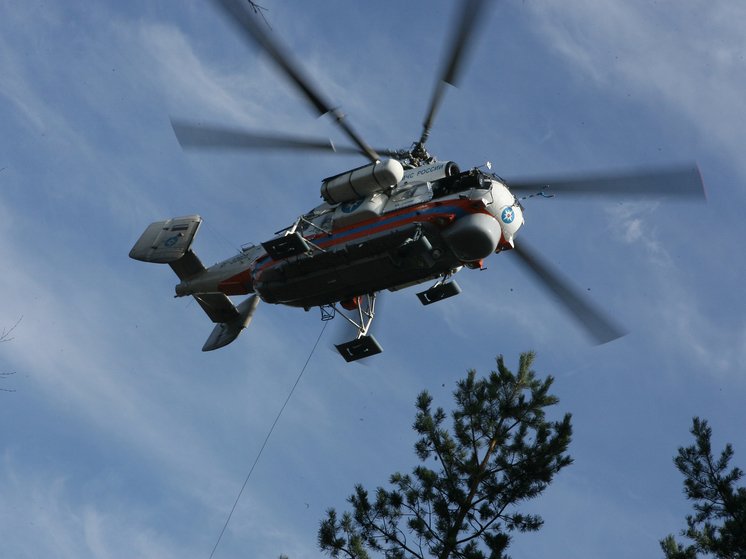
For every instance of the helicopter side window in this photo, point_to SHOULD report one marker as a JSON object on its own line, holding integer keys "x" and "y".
{"x": 460, "y": 183}
{"x": 443, "y": 187}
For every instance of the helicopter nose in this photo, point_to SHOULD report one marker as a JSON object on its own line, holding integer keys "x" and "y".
{"x": 511, "y": 219}
{"x": 473, "y": 237}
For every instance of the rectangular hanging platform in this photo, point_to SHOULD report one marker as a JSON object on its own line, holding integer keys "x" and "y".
{"x": 359, "y": 349}
{"x": 439, "y": 292}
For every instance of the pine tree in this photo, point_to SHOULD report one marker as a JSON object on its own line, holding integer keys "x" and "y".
{"x": 716, "y": 498}
{"x": 502, "y": 451}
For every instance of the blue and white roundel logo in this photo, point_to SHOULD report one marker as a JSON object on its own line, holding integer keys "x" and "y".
{"x": 352, "y": 205}
{"x": 171, "y": 242}
{"x": 508, "y": 215}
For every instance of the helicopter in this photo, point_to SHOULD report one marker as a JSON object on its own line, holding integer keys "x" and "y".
{"x": 403, "y": 219}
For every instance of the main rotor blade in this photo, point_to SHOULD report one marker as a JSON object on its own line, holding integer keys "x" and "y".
{"x": 453, "y": 63}
{"x": 250, "y": 29}
{"x": 683, "y": 181}
{"x": 193, "y": 136}
{"x": 600, "y": 328}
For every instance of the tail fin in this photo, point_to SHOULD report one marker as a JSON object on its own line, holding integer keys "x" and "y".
{"x": 225, "y": 332}
{"x": 169, "y": 242}
{"x": 166, "y": 241}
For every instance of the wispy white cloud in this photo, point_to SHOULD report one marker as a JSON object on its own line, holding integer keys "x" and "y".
{"x": 657, "y": 50}
{"x": 152, "y": 439}
{"x": 635, "y": 224}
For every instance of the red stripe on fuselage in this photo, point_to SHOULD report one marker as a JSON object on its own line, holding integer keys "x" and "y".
{"x": 421, "y": 212}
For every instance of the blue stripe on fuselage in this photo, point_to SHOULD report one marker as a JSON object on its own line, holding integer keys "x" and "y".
{"x": 454, "y": 210}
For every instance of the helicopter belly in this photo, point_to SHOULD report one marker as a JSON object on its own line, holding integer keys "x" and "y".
{"x": 411, "y": 253}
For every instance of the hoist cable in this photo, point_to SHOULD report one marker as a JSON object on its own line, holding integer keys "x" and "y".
{"x": 266, "y": 440}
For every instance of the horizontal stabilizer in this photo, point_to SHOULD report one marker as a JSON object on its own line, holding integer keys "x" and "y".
{"x": 225, "y": 332}
{"x": 166, "y": 241}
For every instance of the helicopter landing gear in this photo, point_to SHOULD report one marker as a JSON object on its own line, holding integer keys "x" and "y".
{"x": 364, "y": 345}
{"x": 441, "y": 290}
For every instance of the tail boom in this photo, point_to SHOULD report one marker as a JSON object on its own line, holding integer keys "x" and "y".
{"x": 169, "y": 242}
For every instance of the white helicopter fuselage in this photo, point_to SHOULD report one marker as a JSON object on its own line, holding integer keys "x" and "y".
{"x": 381, "y": 227}
{"x": 391, "y": 238}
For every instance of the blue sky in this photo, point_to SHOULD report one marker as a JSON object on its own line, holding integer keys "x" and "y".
{"x": 122, "y": 439}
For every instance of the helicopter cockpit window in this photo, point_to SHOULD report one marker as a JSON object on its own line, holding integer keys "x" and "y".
{"x": 460, "y": 183}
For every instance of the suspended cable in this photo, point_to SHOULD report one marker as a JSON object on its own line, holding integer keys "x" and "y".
{"x": 216, "y": 234}
{"x": 267, "y": 439}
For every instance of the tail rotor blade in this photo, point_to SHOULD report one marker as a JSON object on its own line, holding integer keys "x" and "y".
{"x": 600, "y": 328}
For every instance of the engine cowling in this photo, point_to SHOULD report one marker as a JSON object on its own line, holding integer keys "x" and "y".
{"x": 369, "y": 179}
{"x": 431, "y": 172}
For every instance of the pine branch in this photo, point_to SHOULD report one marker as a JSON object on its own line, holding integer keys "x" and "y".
{"x": 502, "y": 452}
